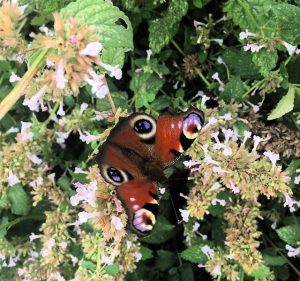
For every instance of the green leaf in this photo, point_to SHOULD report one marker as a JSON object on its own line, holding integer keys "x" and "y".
{"x": 265, "y": 60}
{"x": 289, "y": 234}
{"x": 162, "y": 232}
{"x": 19, "y": 200}
{"x": 88, "y": 265}
{"x": 241, "y": 128}
{"x": 233, "y": 90}
{"x": 285, "y": 105}
{"x": 113, "y": 56}
{"x": 146, "y": 253}
{"x": 274, "y": 260}
{"x": 162, "y": 30}
{"x": 194, "y": 254}
{"x": 287, "y": 21}
{"x": 261, "y": 273}
{"x": 120, "y": 99}
{"x": 106, "y": 18}
{"x": 165, "y": 260}
{"x": 112, "y": 269}
{"x": 3, "y": 229}
{"x": 240, "y": 62}
{"x": 145, "y": 86}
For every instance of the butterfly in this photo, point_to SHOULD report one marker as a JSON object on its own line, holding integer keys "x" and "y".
{"x": 135, "y": 154}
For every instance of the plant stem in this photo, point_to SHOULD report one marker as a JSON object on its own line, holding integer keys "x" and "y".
{"x": 110, "y": 100}
{"x": 177, "y": 47}
{"x": 203, "y": 77}
{"x": 19, "y": 90}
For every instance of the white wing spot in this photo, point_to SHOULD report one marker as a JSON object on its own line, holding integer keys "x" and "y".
{"x": 135, "y": 207}
{"x": 132, "y": 199}
{"x": 172, "y": 126}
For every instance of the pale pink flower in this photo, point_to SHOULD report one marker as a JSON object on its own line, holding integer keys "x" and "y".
{"x": 217, "y": 270}
{"x": 83, "y": 107}
{"x": 201, "y": 265}
{"x": 60, "y": 110}
{"x": 149, "y": 53}
{"x": 116, "y": 221}
{"x": 162, "y": 190}
{"x": 61, "y": 136}
{"x": 59, "y": 76}
{"x": 32, "y": 34}
{"x": 290, "y": 48}
{"x": 34, "y": 102}
{"x": 292, "y": 252}
{"x": 226, "y": 116}
{"x": 49, "y": 63}
{"x": 11, "y": 262}
{"x": 215, "y": 186}
{"x": 212, "y": 121}
{"x": 257, "y": 140}
{"x": 297, "y": 179}
{"x": 273, "y": 157}
{"x": 92, "y": 49}
{"x": 138, "y": 256}
{"x": 87, "y": 137}
{"x": 99, "y": 88}
{"x": 50, "y": 243}
{"x": 33, "y": 236}
{"x": 12, "y": 178}
{"x": 208, "y": 251}
{"x": 208, "y": 160}
{"x": 254, "y": 48}
{"x": 234, "y": 188}
{"x": 13, "y": 77}
{"x": 288, "y": 201}
{"x": 220, "y": 201}
{"x": 218, "y": 170}
{"x": 105, "y": 259}
{"x": 63, "y": 244}
{"x": 189, "y": 164}
{"x": 85, "y": 216}
{"x": 247, "y": 135}
{"x": 12, "y": 130}
{"x": 228, "y": 133}
{"x": 196, "y": 226}
{"x": 21, "y": 271}
{"x": 297, "y": 51}
{"x": 216, "y": 77}
{"x": 184, "y": 214}
{"x": 85, "y": 193}
{"x": 245, "y": 34}
{"x": 73, "y": 39}
{"x": 39, "y": 181}
{"x": 114, "y": 70}
{"x": 227, "y": 151}
{"x": 34, "y": 159}
{"x": 79, "y": 171}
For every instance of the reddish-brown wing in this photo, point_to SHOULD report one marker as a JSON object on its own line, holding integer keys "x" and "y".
{"x": 176, "y": 133}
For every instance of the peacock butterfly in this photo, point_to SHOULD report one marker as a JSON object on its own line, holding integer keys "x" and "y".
{"x": 135, "y": 154}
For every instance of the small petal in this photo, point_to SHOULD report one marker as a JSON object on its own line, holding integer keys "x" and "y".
{"x": 59, "y": 76}
{"x": 34, "y": 158}
{"x": 12, "y": 178}
{"x": 13, "y": 77}
{"x": 184, "y": 215}
{"x": 116, "y": 221}
{"x": 92, "y": 49}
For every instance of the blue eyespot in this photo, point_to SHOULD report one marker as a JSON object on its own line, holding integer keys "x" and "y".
{"x": 115, "y": 175}
{"x": 142, "y": 126}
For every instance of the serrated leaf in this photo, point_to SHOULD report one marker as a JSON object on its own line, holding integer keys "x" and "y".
{"x": 145, "y": 86}
{"x": 88, "y": 265}
{"x": 146, "y": 253}
{"x": 19, "y": 200}
{"x": 194, "y": 254}
{"x": 287, "y": 21}
{"x": 261, "y": 273}
{"x": 112, "y": 269}
{"x": 165, "y": 260}
{"x": 107, "y": 20}
{"x": 285, "y": 105}
{"x": 234, "y": 90}
{"x": 113, "y": 56}
{"x": 240, "y": 62}
{"x": 289, "y": 234}
{"x": 162, "y": 30}
{"x": 265, "y": 60}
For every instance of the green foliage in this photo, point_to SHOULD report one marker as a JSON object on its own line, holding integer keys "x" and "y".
{"x": 234, "y": 90}
{"x": 290, "y": 234}
{"x": 265, "y": 60}
{"x": 19, "y": 200}
{"x": 164, "y": 28}
{"x": 194, "y": 254}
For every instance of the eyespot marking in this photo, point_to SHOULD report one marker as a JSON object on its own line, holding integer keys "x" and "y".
{"x": 113, "y": 175}
{"x": 144, "y": 126}
{"x": 192, "y": 125}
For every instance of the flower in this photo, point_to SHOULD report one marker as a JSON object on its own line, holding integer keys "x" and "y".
{"x": 254, "y": 48}
{"x": 245, "y": 34}
{"x": 85, "y": 216}
{"x": 272, "y": 156}
{"x": 83, "y": 107}
{"x": 234, "y": 188}
{"x": 138, "y": 256}
{"x": 99, "y": 88}
{"x": 87, "y": 137}
{"x": 288, "y": 201}
{"x": 220, "y": 201}
{"x": 13, "y": 77}
{"x": 62, "y": 136}
{"x": 12, "y": 178}
{"x": 33, "y": 102}
{"x": 247, "y": 135}
{"x": 105, "y": 259}
{"x": 85, "y": 193}
{"x": 184, "y": 214}
{"x": 217, "y": 271}
{"x": 292, "y": 252}
{"x": 209, "y": 252}
{"x": 114, "y": 70}
{"x": 59, "y": 76}
{"x": 116, "y": 221}
{"x": 297, "y": 179}
{"x": 34, "y": 236}
{"x": 60, "y": 110}
{"x": 290, "y": 48}
{"x": 189, "y": 164}
{"x": 34, "y": 158}
{"x": 196, "y": 226}
{"x": 226, "y": 117}
{"x": 216, "y": 77}
{"x": 92, "y": 49}
{"x": 149, "y": 53}
{"x": 257, "y": 140}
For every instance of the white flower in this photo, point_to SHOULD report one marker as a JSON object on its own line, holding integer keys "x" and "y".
{"x": 189, "y": 164}
{"x": 219, "y": 41}
{"x": 62, "y": 136}
{"x": 245, "y": 34}
{"x": 34, "y": 159}
{"x": 216, "y": 77}
{"x": 149, "y": 53}
{"x": 12, "y": 130}
{"x": 196, "y": 226}
{"x": 228, "y": 133}
{"x": 85, "y": 216}
{"x": 13, "y": 77}
{"x": 114, "y": 70}
{"x": 85, "y": 193}
{"x": 208, "y": 160}
{"x": 297, "y": 51}
{"x": 32, "y": 34}
{"x": 79, "y": 171}
{"x": 290, "y": 48}
{"x": 73, "y": 259}
{"x": 34, "y": 236}
{"x": 162, "y": 190}
{"x": 184, "y": 214}
{"x": 59, "y": 76}
{"x": 212, "y": 121}
{"x": 273, "y": 157}
{"x": 254, "y": 48}
{"x": 105, "y": 259}
{"x": 292, "y": 252}
{"x": 12, "y": 178}
{"x": 220, "y": 60}
{"x": 11, "y": 262}
{"x": 274, "y": 225}
{"x": 99, "y": 88}
{"x": 60, "y": 111}
{"x": 83, "y": 107}
{"x": 218, "y": 170}
{"x": 234, "y": 188}
{"x": 204, "y": 99}
{"x": 63, "y": 245}
{"x": 226, "y": 116}
{"x": 87, "y": 137}
{"x": 217, "y": 270}
{"x": 34, "y": 102}
{"x": 247, "y": 135}
{"x": 209, "y": 252}
{"x": 288, "y": 201}
{"x": 297, "y": 179}
{"x": 257, "y": 140}
{"x": 92, "y": 49}
{"x": 49, "y": 63}
{"x": 116, "y": 221}
{"x": 220, "y": 201}
{"x": 138, "y": 256}
{"x": 215, "y": 186}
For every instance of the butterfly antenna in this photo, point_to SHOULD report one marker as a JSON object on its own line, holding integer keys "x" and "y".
{"x": 173, "y": 206}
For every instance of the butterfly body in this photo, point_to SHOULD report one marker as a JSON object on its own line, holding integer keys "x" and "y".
{"x": 134, "y": 157}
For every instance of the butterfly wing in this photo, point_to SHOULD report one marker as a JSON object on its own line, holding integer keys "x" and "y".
{"x": 176, "y": 133}
{"x": 122, "y": 160}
